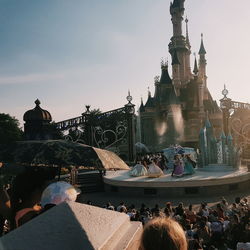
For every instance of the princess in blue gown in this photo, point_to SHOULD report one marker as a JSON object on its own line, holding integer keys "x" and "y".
{"x": 189, "y": 165}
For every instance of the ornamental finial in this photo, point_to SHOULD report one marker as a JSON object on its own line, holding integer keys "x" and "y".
{"x": 225, "y": 91}
{"x": 37, "y": 102}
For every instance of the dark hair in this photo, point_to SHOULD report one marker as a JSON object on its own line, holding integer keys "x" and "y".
{"x": 24, "y": 185}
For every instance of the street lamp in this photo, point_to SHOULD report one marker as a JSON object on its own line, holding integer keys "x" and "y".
{"x": 226, "y": 106}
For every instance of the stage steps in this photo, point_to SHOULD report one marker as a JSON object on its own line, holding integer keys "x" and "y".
{"x": 90, "y": 182}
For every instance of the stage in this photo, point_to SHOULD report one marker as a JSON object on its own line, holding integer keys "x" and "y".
{"x": 201, "y": 183}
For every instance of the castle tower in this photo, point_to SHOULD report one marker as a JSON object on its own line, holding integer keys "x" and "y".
{"x": 179, "y": 44}
{"x": 165, "y": 94}
{"x": 200, "y": 86}
{"x": 202, "y": 67}
{"x": 188, "y": 53}
{"x": 177, "y": 110}
{"x": 176, "y": 72}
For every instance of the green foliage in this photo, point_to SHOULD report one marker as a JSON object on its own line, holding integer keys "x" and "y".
{"x": 54, "y": 132}
{"x": 9, "y": 129}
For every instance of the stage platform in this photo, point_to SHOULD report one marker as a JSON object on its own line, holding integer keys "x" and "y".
{"x": 201, "y": 183}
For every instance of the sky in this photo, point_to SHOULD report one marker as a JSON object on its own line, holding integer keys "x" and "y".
{"x": 71, "y": 53}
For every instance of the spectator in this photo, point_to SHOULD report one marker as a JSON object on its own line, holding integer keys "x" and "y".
{"x": 220, "y": 211}
{"x": 163, "y": 233}
{"x": 191, "y": 215}
{"x": 169, "y": 212}
{"x": 204, "y": 210}
{"x": 155, "y": 211}
{"x": 143, "y": 208}
{"x": 109, "y": 206}
{"x": 179, "y": 210}
{"x": 26, "y": 193}
{"x": 122, "y": 208}
{"x": 204, "y": 233}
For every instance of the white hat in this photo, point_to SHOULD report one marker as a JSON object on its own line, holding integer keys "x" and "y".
{"x": 58, "y": 192}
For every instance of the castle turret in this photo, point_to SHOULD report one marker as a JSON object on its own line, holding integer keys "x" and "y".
{"x": 195, "y": 67}
{"x": 179, "y": 44}
{"x": 202, "y": 67}
{"x": 176, "y": 72}
{"x": 165, "y": 94}
{"x": 188, "y": 72}
{"x": 177, "y": 11}
{"x": 142, "y": 108}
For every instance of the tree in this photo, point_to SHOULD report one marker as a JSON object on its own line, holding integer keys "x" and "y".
{"x": 9, "y": 129}
{"x": 53, "y": 132}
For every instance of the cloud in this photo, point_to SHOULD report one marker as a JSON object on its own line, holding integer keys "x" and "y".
{"x": 30, "y": 78}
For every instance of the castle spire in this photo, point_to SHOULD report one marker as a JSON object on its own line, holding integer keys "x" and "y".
{"x": 195, "y": 66}
{"x": 187, "y": 36}
{"x": 149, "y": 93}
{"x": 177, "y": 4}
{"x": 165, "y": 78}
{"x": 202, "y": 50}
{"x": 142, "y": 109}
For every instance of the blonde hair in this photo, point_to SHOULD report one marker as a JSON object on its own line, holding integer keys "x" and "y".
{"x": 163, "y": 233}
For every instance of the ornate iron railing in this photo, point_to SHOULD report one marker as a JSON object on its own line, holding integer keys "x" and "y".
{"x": 109, "y": 130}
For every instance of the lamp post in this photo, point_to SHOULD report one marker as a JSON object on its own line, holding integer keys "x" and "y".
{"x": 226, "y": 106}
{"x": 130, "y": 111}
{"x": 87, "y": 126}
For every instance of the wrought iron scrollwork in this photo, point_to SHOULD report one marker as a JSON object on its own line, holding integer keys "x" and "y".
{"x": 241, "y": 129}
{"x": 76, "y": 138}
{"x": 109, "y": 138}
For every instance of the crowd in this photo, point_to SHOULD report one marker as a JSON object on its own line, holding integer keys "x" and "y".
{"x": 222, "y": 226}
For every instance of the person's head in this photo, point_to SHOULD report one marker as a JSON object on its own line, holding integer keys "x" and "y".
{"x": 190, "y": 207}
{"x": 168, "y": 205}
{"x": 180, "y": 205}
{"x": 123, "y": 210}
{"x": 163, "y": 233}
{"x": 167, "y": 212}
{"x": 29, "y": 185}
{"x": 236, "y": 219}
{"x": 237, "y": 200}
{"x": 177, "y": 157}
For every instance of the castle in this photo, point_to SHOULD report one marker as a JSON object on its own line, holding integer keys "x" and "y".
{"x": 181, "y": 104}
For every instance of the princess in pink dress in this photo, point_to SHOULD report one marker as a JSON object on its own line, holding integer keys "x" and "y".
{"x": 178, "y": 166}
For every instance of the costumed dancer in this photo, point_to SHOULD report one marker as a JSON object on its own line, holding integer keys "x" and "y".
{"x": 178, "y": 166}
{"x": 138, "y": 170}
{"x": 154, "y": 171}
{"x": 163, "y": 161}
{"x": 189, "y": 165}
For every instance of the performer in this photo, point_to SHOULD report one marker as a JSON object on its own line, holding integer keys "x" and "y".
{"x": 189, "y": 165}
{"x": 138, "y": 170}
{"x": 154, "y": 171}
{"x": 178, "y": 166}
{"x": 163, "y": 161}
